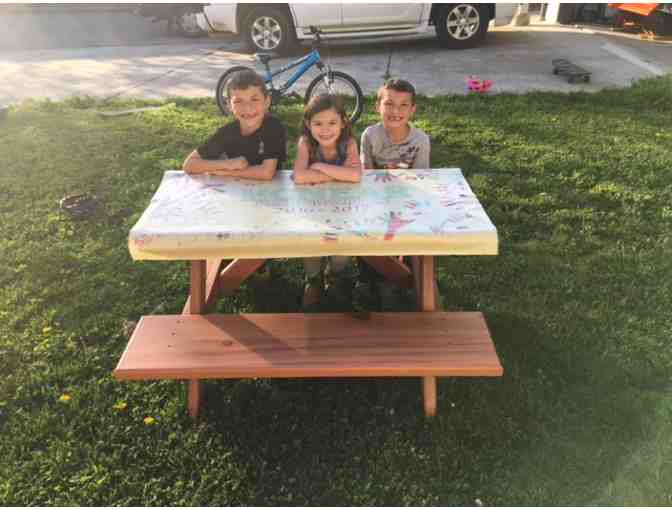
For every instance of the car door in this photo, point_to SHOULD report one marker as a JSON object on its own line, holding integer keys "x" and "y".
{"x": 362, "y": 16}
{"x": 327, "y": 16}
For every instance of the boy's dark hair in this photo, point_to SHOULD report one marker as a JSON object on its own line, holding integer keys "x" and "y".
{"x": 243, "y": 80}
{"x": 319, "y": 104}
{"x": 398, "y": 86}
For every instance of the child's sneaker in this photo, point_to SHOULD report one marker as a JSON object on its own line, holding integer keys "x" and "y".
{"x": 312, "y": 291}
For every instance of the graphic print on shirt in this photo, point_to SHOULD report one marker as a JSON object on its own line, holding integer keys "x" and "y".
{"x": 405, "y": 156}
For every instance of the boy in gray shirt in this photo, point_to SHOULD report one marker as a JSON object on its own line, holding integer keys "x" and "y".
{"x": 393, "y": 142}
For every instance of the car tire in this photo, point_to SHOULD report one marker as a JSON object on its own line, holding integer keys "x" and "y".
{"x": 461, "y": 26}
{"x": 268, "y": 30}
{"x": 185, "y": 24}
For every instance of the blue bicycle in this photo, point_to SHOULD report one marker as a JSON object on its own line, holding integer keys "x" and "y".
{"x": 327, "y": 82}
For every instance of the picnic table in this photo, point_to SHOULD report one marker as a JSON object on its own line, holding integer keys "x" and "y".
{"x": 227, "y": 227}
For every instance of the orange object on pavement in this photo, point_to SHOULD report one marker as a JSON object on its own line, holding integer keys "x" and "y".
{"x": 641, "y": 9}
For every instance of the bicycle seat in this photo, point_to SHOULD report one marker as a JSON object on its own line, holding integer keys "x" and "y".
{"x": 264, "y": 58}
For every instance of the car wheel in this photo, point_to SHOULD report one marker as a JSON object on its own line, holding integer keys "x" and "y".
{"x": 268, "y": 30}
{"x": 186, "y": 24}
{"x": 460, "y": 26}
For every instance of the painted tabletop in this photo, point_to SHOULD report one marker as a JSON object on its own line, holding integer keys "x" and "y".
{"x": 390, "y": 212}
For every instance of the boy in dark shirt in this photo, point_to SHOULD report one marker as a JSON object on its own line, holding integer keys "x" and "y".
{"x": 251, "y": 147}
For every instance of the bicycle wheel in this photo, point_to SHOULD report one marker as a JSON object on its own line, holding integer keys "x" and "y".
{"x": 220, "y": 91}
{"x": 341, "y": 85}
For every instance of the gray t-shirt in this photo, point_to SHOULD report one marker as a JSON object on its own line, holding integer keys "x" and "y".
{"x": 378, "y": 150}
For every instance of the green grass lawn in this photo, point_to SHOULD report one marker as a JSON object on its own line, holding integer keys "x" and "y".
{"x": 578, "y": 301}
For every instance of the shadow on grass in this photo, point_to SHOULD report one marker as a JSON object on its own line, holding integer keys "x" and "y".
{"x": 538, "y": 436}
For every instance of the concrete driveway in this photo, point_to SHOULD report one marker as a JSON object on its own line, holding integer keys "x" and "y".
{"x": 516, "y": 59}
{"x": 53, "y": 26}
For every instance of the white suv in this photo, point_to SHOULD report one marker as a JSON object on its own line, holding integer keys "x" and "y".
{"x": 276, "y": 27}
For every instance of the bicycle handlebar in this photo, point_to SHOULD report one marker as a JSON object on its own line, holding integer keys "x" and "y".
{"x": 317, "y": 39}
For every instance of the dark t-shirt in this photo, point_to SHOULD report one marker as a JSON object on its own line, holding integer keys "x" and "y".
{"x": 267, "y": 142}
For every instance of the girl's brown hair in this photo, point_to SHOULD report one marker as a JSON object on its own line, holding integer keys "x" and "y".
{"x": 320, "y": 104}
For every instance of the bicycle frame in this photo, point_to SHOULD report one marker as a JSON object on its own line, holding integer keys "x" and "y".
{"x": 327, "y": 81}
{"x": 304, "y": 63}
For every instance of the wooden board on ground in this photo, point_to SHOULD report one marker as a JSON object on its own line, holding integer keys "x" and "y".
{"x": 572, "y": 71}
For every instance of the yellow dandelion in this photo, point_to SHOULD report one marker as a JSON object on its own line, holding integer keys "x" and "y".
{"x": 149, "y": 420}
{"x": 65, "y": 398}
{"x": 120, "y": 406}
{"x": 46, "y": 330}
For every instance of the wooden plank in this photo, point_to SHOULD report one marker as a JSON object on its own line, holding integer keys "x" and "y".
{"x": 391, "y": 268}
{"x": 236, "y": 273}
{"x": 427, "y": 283}
{"x": 196, "y": 305}
{"x": 197, "y": 287}
{"x": 310, "y": 345}
{"x": 214, "y": 266}
{"x": 428, "y": 301}
{"x": 416, "y": 265}
{"x": 194, "y": 397}
{"x": 424, "y": 279}
{"x": 225, "y": 281}
{"x": 429, "y": 395}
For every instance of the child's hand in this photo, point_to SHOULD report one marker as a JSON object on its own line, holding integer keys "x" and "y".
{"x": 239, "y": 163}
{"x": 311, "y": 176}
{"x": 224, "y": 172}
{"x": 384, "y": 176}
{"x": 235, "y": 164}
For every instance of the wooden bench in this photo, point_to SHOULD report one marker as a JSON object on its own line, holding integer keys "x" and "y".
{"x": 425, "y": 344}
{"x": 225, "y": 244}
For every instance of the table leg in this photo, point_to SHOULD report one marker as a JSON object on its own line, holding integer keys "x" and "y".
{"x": 427, "y": 283}
{"x": 416, "y": 265}
{"x": 197, "y": 287}
{"x": 214, "y": 267}
{"x": 426, "y": 290}
{"x": 236, "y": 273}
{"x": 193, "y": 397}
{"x": 429, "y": 395}
{"x": 196, "y": 306}
{"x": 392, "y": 268}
